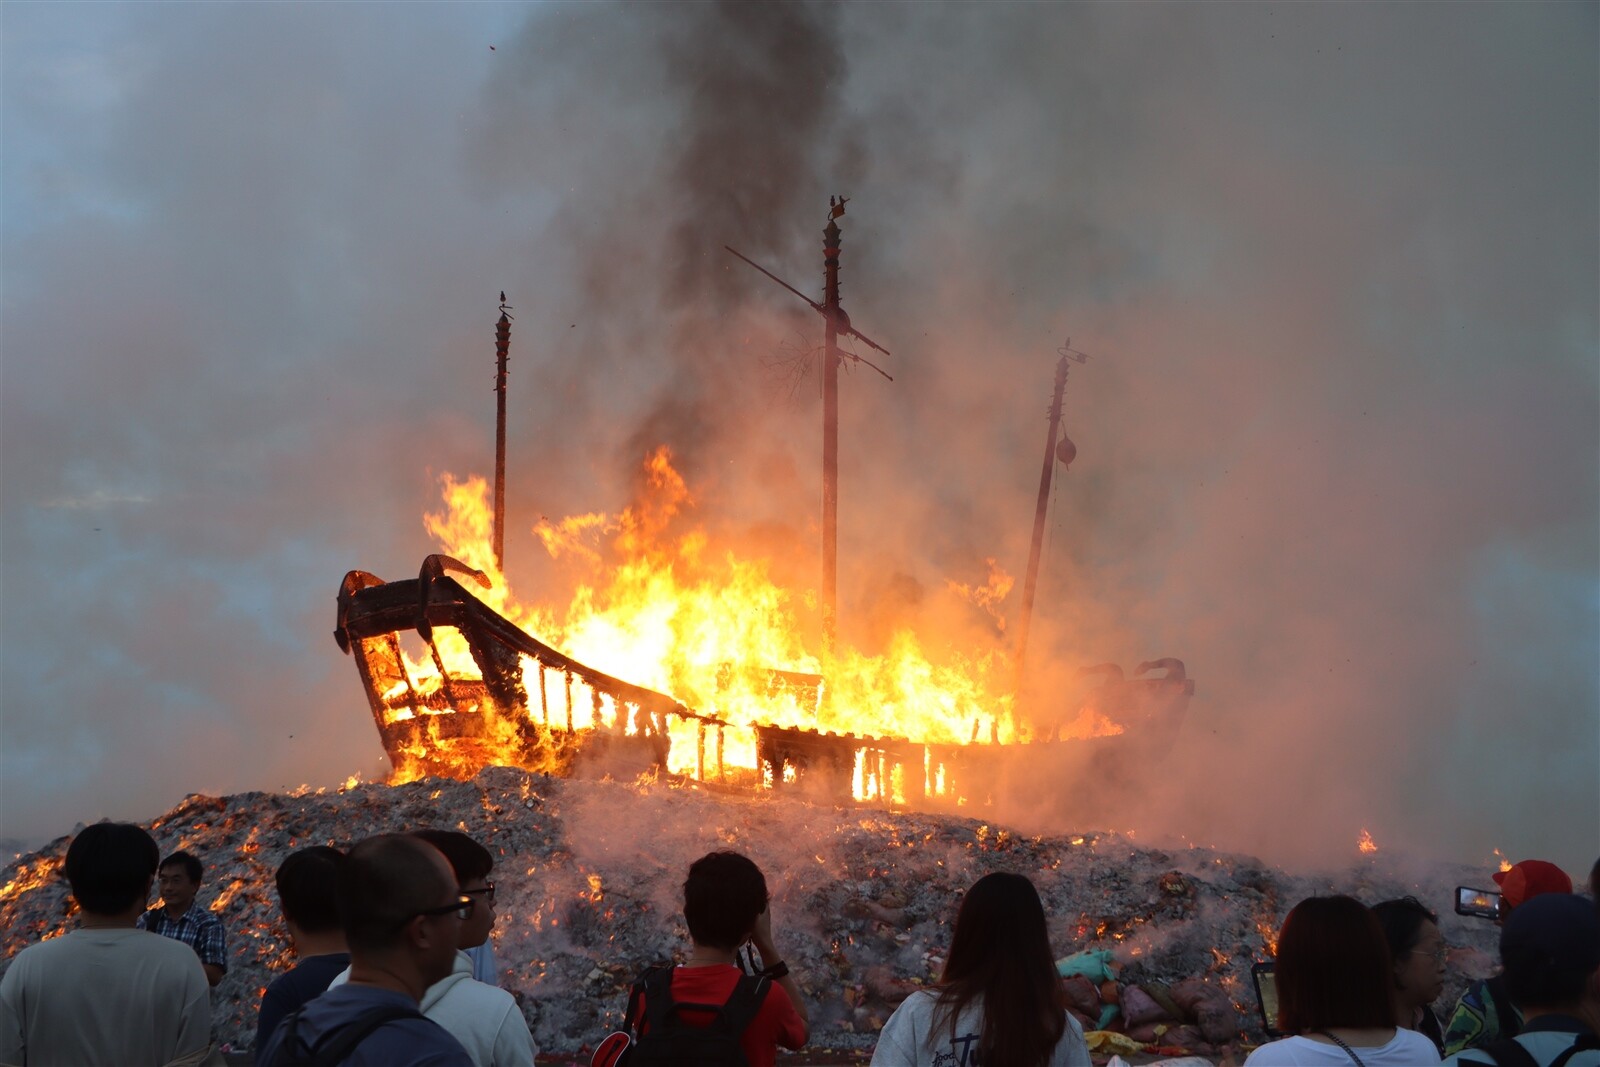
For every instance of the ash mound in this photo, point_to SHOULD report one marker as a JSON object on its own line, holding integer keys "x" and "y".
{"x": 589, "y": 873}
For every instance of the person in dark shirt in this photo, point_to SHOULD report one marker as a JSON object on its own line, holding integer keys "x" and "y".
{"x": 308, "y": 894}
{"x": 725, "y": 905}
{"x": 402, "y": 913}
{"x": 1485, "y": 1012}
{"x": 1550, "y": 953}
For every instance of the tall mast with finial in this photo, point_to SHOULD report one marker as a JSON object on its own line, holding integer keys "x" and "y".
{"x": 1065, "y": 451}
{"x": 502, "y": 347}
{"x": 830, "y": 428}
{"x": 835, "y": 323}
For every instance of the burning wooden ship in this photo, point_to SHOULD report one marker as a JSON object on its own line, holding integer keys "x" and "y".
{"x": 475, "y": 688}
{"x": 494, "y": 694}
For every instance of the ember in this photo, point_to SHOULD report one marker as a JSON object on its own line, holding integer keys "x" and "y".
{"x": 588, "y": 872}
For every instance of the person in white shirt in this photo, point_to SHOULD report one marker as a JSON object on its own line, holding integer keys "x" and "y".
{"x": 1334, "y": 978}
{"x": 997, "y": 1000}
{"x": 484, "y": 1018}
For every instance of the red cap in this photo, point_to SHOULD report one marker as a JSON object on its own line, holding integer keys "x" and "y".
{"x": 1529, "y": 879}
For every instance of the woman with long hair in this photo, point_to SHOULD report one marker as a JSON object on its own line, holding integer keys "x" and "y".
{"x": 1333, "y": 978}
{"x": 998, "y": 1003}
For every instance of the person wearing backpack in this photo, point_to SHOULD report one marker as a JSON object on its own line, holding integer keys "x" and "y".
{"x": 402, "y": 912}
{"x": 483, "y": 1017}
{"x": 1550, "y": 958}
{"x": 709, "y": 1012}
{"x": 1484, "y": 1012}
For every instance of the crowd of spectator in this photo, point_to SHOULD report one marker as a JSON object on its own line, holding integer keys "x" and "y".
{"x": 394, "y": 970}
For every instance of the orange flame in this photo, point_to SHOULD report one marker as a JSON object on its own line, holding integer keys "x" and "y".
{"x": 1365, "y": 842}
{"x": 657, "y": 604}
{"x": 988, "y": 596}
{"x": 31, "y": 876}
{"x": 1269, "y": 937}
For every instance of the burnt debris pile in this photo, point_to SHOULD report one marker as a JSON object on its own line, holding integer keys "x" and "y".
{"x": 588, "y": 876}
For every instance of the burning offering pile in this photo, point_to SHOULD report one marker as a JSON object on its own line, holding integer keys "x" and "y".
{"x": 588, "y": 873}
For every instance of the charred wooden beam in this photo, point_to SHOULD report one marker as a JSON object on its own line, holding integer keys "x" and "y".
{"x": 463, "y": 720}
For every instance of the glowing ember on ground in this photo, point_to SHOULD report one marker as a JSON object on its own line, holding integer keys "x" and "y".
{"x": 588, "y": 873}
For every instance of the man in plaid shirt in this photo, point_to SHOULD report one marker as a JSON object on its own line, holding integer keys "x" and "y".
{"x": 179, "y": 918}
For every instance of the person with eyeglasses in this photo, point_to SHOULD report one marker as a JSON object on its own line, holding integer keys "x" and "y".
{"x": 1417, "y": 952}
{"x": 402, "y": 912}
{"x": 473, "y": 865}
{"x": 484, "y": 1018}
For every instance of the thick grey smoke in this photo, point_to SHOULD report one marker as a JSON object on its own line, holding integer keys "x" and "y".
{"x": 1335, "y": 267}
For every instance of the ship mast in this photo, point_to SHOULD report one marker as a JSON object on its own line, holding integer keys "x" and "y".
{"x": 502, "y": 347}
{"x": 1065, "y": 452}
{"x": 835, "y": 322}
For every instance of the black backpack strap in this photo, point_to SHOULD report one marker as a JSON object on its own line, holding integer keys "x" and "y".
{"x": 656, "y": 984}
{"x": 1507, "y": 1052}
{"x": 743, "y": 1004}
{"x": 333, "y": 1047}
{"x": 630, "y": 1018}
{"x": 1585, "y": 1043}
{"x": 290, "y": 1025}
{"x": 152, "y": 919}
{"x": 331, "y": 1053}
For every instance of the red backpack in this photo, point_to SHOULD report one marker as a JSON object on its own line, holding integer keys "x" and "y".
{"x": 668, "y": 1040}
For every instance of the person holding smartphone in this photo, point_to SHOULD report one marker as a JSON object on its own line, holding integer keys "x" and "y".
{"x": 1484, "y": 1013}
{"x": 1333, "y": 981}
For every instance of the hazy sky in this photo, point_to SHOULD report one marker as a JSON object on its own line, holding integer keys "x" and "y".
{"x": 1336, "y": 264}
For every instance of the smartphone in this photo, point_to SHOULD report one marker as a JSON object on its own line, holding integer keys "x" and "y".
{"x": 1266, "y": 980}
{"x": 1478, "y": 903}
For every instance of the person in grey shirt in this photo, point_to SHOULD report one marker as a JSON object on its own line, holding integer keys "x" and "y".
{"x": 107, "y": 993}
